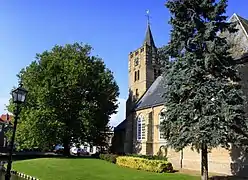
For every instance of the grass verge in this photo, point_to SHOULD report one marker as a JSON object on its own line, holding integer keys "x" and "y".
{"x": 88, "y": 169}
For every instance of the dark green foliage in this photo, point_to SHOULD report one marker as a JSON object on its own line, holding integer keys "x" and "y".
{"x": 150, "y": 157}
{"x": 109, "y": 157}
{"x": 164, "y": 59}
{"x": 204, "y": 100}
{"x": 203, "y": 95}
{"x": 71, "y": 97}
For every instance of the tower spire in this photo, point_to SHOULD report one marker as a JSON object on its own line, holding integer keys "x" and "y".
{"x": 148, "y": 38}
{"x": 148, "y": 17}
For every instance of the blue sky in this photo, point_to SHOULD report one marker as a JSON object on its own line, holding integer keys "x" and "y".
{"x": 112, "y": 27}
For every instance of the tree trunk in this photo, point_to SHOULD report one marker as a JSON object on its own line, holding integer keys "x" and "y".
{"x": 66, "y": 139}
{"x": 66, "y": 145}
{"x": 181, "y": 159}
{"x": 204, "y": 162}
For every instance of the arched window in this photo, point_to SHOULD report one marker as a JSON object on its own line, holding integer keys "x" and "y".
{"x": 141, "y": 127}
{"x": 161, "y": 119}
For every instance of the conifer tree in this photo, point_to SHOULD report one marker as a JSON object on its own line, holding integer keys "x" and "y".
{"x": 203, "y": 96}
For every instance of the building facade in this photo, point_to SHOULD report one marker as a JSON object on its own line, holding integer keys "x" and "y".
{"x": 140, "y": 131}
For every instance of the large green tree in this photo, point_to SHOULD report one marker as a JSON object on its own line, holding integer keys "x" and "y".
{"x": 203, "y": 96}
{"x": 164, "y": 60}
{"x": 71, "y": 97}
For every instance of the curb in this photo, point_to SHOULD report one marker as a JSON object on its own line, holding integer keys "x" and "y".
{"x": 25, "y": 176}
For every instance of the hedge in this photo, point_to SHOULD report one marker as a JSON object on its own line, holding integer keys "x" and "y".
{"x": 108, "y": 157}
{"x": 144, "y": 164}
{"x": 150, "y": 157}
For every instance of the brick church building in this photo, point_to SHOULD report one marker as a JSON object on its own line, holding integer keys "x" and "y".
{"x": 140, "y": 132}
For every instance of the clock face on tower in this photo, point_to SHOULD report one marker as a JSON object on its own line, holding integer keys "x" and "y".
{"x": 136, "y": 61}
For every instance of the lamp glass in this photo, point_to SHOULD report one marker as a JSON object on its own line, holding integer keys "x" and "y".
{"x": 19, "y": 95}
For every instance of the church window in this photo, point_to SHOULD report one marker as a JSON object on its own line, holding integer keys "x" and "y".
{"x": 142, "y": 49}
{"x": 137, "y": 52}
{"x": 161, "y": 119}
{"x": 136, "y": 61}
{"x": 136, "y": 75}
{"x": 137, "y": 92}
{"x": 140, "y": 128}
{"x": 143, "y": 129}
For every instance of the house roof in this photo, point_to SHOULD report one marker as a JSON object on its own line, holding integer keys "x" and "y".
{"x": 153, "y": 96}
{"x": 6, "y": 118}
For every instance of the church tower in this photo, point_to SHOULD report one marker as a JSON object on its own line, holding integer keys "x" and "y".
{"x": 143, "y": 67}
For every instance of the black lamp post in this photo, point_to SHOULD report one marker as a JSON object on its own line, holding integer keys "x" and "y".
{"x": 19, "y": 97}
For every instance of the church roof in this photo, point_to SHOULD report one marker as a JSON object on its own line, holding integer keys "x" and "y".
{"x": 239, "y": 40}
{"x": 149, "y": 38}
{"x": 153, "y": 96}
{"x": 121, "y": 126}
{"x": 244, "y": 23}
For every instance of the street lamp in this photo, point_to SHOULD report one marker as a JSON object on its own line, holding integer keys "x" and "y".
{"x": 19, "y": 97}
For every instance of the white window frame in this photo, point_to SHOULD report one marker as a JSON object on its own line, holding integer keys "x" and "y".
{"x": 140, "y": 124}
{"x": 159, "y": 120}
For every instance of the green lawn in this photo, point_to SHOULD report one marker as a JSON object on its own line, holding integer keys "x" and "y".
{"x": 87, "y": 169}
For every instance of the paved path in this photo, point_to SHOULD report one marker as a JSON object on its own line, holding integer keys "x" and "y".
{"x": 213, "y": 176}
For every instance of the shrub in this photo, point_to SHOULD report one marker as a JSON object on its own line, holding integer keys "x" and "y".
{"x": 95, "y": 155}
{"x": 109, "y": 157}
{"x": 144, "y": 164}
{"x": 150, "y": 157}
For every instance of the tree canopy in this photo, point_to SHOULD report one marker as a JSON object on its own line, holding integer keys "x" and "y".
{"x": 71, "y": 97}
{"x": 163, "y": 57}
{"x": 203, "y": 96}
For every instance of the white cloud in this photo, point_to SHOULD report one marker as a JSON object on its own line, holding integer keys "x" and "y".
{"x": 3, "y": 102}
{"x": 121, "y": 113}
